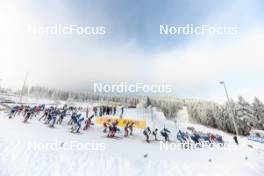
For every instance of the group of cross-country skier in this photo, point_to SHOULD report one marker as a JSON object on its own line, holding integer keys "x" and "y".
{"x": 53, "y": 115}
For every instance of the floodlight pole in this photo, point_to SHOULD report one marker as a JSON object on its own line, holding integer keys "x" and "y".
{"x": 229, "y": 104}
{"x": 23, "y": 87}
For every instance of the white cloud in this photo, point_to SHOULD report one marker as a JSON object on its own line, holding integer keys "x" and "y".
{"x": 59, "y": 61}
{"x": 238, "y": 60}
{"x": 73, "y": 61}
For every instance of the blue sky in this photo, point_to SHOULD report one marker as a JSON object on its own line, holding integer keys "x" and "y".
{"x": 132, "y": 49}
{"x": 139, "y": 20}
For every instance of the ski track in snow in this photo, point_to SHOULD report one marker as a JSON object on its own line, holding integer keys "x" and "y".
{"x": 121, "y": 157}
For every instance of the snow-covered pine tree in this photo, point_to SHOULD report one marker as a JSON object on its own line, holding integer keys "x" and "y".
{"x": 258, "y": 113}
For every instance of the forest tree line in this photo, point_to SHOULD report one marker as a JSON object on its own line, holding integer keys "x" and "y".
{"x": 247, "y": 115}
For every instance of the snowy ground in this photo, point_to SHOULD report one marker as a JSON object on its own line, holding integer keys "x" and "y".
{"x": 116, "y": 157}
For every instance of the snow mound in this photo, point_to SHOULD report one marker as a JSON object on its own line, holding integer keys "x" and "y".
{"x": 130, "y": 156}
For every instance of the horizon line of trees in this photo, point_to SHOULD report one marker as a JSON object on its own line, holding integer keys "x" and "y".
{"x": 247, "y": 115}
{"x": 57, "y": 94}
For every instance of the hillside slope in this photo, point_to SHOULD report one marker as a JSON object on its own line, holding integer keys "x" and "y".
{"x": 116, "y": 157}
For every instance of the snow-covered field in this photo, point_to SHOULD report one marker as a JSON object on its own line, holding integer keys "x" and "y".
{"x": 103, "y": 156}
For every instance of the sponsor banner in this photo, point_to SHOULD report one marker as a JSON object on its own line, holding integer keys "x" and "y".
{"x": 121, "y": 122}
{"x": 256, "y": 139}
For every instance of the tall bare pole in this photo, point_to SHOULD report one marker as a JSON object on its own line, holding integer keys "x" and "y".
{"x": 23, "y": 87}
{"x": 229, "y": 105}
{"x": 0, "y": 84}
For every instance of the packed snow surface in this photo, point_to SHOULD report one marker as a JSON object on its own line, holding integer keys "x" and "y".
{"x": 130, "y": 156}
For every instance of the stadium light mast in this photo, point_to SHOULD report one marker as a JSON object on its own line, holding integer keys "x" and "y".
{"x": 0, "y": 84}
{"x": 152, "y": 116}
{"x": 229, "y": 104}
{"x": 23, "y": 87}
